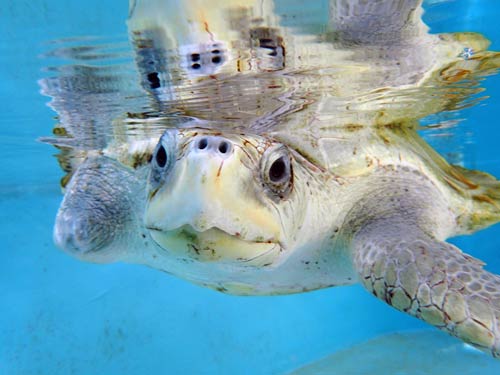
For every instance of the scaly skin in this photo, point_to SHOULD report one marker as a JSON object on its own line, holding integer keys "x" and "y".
{"x": 98, "y": 218}
{"x": 431, "y": 280}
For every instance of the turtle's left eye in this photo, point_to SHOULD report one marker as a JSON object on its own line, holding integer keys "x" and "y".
{"x": 279, "y": 170}
{"x": 276, "y": 171}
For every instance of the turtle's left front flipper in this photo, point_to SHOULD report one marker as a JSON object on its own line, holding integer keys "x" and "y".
{"x": 431, "y": 280}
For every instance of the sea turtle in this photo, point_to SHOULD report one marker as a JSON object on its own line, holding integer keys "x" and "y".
{"x": 330, "y": 184}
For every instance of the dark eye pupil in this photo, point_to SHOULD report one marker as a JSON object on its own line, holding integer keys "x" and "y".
{"x": 154, "y": 81}
{"x": 277, "y": 170}
{"x": 161, "y": 157}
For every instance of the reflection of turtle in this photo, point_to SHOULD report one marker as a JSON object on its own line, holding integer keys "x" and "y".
{"x": 412, "y": 353}
{"x": 311, "y": 202}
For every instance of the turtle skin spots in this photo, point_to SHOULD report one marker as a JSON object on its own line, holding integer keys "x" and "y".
{"x": 433, "y": 281}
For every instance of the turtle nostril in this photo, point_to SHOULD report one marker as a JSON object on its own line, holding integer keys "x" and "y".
{"x": 202, "y": 144}
{"x": 223, "y": 147}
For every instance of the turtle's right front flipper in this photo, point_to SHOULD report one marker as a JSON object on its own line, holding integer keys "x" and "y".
{"x": 431, "y": 280}
{"x": 97, "y": 218}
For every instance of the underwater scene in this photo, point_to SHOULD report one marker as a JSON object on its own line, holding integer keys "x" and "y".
{"x": 250, "y": 187}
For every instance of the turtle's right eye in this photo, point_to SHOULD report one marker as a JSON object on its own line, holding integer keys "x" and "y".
{"x": 161, "y": 157}
{"x": 154, "y": 80}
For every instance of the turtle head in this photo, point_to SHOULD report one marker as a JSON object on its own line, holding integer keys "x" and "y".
{"x": 223, "y": 198}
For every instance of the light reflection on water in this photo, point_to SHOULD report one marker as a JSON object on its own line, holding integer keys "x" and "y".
{"x": 275, "y": 73}
{"x": 100, "y": 87}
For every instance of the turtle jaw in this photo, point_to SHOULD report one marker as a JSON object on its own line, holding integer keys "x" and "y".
{"x": 216, "y": 245}
{"x": 209, "y": 204}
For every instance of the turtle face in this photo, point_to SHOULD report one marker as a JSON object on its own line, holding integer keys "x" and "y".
{"x": 223, "y": 199}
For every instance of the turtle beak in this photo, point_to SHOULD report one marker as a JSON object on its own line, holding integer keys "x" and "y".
{"x": 211, "y": 188}
{"x": 208, "y": 196}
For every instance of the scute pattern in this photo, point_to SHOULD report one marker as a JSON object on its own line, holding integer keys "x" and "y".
{"x": 433, "y": 281}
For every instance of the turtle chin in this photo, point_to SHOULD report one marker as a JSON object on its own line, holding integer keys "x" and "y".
{"x": 216, "y": 245}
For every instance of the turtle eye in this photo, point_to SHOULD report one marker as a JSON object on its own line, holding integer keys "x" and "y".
{"x": 154, "y": 80}
{"x": 161, "y": 157}
{"x": 279, "y": 170}
{"x": 277, "y": 174}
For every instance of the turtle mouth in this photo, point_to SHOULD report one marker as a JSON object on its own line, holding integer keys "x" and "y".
{"x": 216, "y": 245}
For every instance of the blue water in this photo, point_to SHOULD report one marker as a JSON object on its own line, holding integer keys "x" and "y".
{"x": 62, "y": 316}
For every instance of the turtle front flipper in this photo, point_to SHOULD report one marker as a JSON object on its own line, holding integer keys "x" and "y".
{"x": 97, "y": 218}
{"x": 431, "y": 280}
